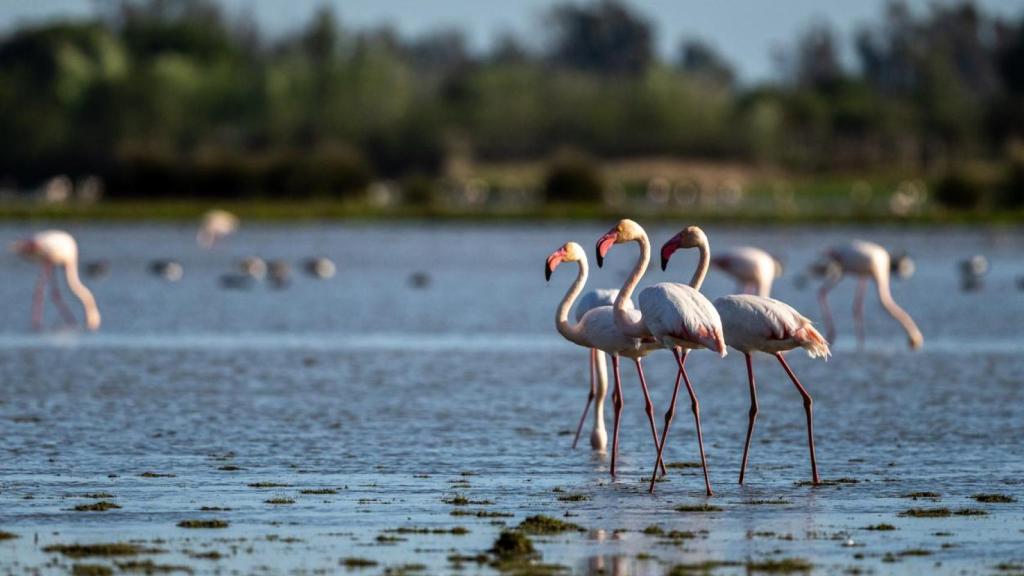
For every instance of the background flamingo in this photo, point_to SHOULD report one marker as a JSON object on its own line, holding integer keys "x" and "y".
{"x": 215, "y": 224}
{"x": 53, "y": 248}
{"x": 597, "y": 329}
{"x": 865, "y": 260}
{"x": 753, "y": 269}
{"x": 675, "y": 315}
{"x": 754, "y": 323}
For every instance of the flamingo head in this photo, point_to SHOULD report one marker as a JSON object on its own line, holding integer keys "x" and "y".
{"x": 571, "y": 252}
{"x": 26, "y": 248}
{"x": 625, "y": 231}
{"x": 689, "y": 237}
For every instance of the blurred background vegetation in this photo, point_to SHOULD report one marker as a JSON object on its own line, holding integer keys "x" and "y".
{"x": 173, "y": 100}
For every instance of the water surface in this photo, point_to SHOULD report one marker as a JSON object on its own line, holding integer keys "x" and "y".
{"x": 399, "y": 398}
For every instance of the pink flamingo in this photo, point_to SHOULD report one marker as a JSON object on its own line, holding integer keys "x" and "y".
{"x": 214, "y": 225}
{"x": 753, "y": 269}
{"x": 597, "y": 330}
{"x": 755, "y": 323}
{"x": 677, "y": 316}
{"x": 57, "y": 248}
{"x": 865, "y": 260}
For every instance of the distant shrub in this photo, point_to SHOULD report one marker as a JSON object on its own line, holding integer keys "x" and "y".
{"x": 329, "y": 171}
{"x": 419, "y": 190}
{"x": 573, "y": 177}
{"x": 1011, "y": 192}
{"x": 961, "y": 189}
{"x": 143, "y": 172}
{"x": 334, "y": 171}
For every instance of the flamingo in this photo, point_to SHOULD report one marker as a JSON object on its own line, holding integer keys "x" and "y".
{"x": 753, "y": 268}
{"x": 756, "y": 323}
{"x": 865, "y": 260}
{"x": 52, "y": 248}
{"x": 677, "y": 316}
{"x": 215, "y": 224}
{"x": 597, "y": 330}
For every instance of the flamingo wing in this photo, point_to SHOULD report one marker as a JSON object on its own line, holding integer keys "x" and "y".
{"x": 678, "y": 312}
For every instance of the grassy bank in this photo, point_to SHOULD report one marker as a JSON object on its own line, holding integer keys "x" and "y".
{"x": 291, "y": 211}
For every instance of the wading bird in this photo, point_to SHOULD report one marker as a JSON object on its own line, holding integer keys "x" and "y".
{"x": 597, "y": 329}
{"x": 865, "y": 260}
{"x": 677, "y": 316}
{"x": 215, "y": 225}
{"x": 753, "y": 269}
{"x": 759, "y": 324}
{"x": 52, "y": 248}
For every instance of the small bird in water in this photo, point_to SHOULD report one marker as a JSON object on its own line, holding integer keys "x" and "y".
{"x": 236, "y": 281}
{"x": 319, "y": 267}
{"x": 254, "y": 267}
{"x": 169, "y": 270}
{"x": 902, "y": 265}
{"x": 972, "y": 272}
{"x": 280, "y": 273}
{"x": 97, "y": 268}
{"x": 419, "y": 279}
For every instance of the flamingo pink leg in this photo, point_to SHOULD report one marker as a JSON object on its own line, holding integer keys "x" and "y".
{"x": 808, "y": 408}
{"x": 858, "y": 310}
{"x": 38, "y": 295}
{"x": 695, "y": 407}
{"x": 826, "y": 312}
{"x": 590, "y": 398}
{"x": 65, "y": 312}
{"x": 617, "y": 401}
{"x": 753, "y": 415}
{"x": 649, "y": 408}
{"x": 668, "y": 421}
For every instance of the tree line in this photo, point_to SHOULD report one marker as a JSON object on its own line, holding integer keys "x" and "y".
{"x": 174, "y": 98}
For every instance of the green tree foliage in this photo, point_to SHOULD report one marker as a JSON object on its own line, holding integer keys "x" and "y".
{"x": 171, "y": 97}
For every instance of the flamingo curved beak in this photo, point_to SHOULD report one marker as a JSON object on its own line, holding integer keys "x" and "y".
{"x": 553, "y": 261}
{"x": 668, "y": 249}
{"x": 604, "y": 244}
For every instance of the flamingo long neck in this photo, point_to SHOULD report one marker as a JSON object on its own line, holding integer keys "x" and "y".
{"x": 894, "y": 310}
{"x": 572, "y": 332}
{"x": 702, "y": 266}
{"x": 629, "y": 323}
{"x": 92, "y": 312}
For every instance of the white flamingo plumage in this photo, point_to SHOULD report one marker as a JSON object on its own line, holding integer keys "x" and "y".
{"x": 597, "y": 330}
{"x": 214, "y": 225}
{"x": 865, "y": 260}
{"x": 56, "y": 248}
{"x": 677, "y": 316}
{"x": 753, "y": 269}
{"x": 758, "y": 324}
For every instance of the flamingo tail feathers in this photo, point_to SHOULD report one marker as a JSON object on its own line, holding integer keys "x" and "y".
{"x": 812, "y": 341}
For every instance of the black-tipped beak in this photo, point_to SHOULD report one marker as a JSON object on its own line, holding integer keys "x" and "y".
{"x": 667, "y": 250}
{"x": 552, "y": 262}
{"x": 604, "y": 244}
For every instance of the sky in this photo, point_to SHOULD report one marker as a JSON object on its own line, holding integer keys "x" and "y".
{"x": 747, "y": 32}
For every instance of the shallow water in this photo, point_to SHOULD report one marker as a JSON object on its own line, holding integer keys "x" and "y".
{"x": 401, "y": 398}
